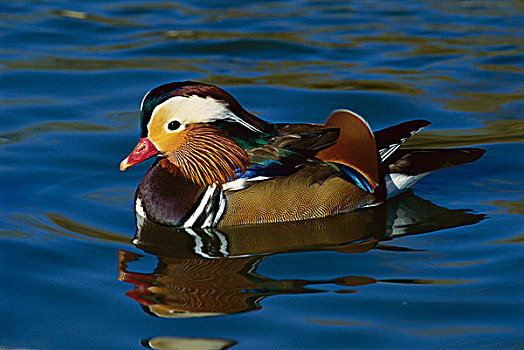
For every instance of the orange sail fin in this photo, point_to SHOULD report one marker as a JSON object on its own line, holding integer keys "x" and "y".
{"x": 355, "y": 147}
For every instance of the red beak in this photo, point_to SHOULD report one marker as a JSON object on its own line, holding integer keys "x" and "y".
{"x": 143, "y": 150}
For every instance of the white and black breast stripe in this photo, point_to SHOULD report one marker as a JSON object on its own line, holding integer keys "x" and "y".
{"x": 209, "y": 210}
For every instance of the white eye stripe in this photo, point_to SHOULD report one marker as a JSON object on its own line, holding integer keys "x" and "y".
{"x": 195, "y": 109}
{"x": 233, "y": 117}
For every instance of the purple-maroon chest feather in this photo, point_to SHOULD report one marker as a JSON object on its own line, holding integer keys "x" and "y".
{"x": 165, "y": 198}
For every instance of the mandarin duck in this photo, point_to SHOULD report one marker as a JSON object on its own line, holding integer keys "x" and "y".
{"x": 199, "y": 261}
{"x": 219, "y": 165}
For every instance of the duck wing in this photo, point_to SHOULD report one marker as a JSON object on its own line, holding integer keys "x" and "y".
{"x": 285, "y": 153}
{"x": 391, "y": 138}
{"x": 314, "y": 190}
{"x": 355, "y": 152}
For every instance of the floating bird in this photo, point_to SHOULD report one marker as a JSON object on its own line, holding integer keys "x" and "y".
{"x": 219, "y": 165}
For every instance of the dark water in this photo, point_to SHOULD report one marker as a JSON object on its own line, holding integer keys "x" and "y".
{"x": 437, "y": 268}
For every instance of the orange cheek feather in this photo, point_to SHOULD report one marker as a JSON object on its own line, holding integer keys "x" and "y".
{"x": 205, "y": 155}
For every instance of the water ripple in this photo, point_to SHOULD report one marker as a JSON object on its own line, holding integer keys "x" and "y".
{"x": 21, "y": 135}
{"x": 500, "y": 131}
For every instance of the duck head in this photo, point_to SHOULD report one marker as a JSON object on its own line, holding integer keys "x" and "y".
{"x": 199, "y": 130}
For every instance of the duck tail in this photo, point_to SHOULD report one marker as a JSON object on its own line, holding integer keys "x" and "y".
{"x": 404, "y": 168}
{"x": 373, "y": 160}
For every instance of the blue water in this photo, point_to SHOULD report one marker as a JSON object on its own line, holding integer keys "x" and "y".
{"x": 440, "y": 267}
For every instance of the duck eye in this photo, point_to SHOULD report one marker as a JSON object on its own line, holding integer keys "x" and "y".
{"x": 173, "y": 125}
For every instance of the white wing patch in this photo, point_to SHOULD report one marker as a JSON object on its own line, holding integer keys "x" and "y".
{"x": 390, "y": 149}
{"x": 397, "y": 183}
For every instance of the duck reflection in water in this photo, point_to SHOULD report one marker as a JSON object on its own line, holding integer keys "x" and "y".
{"x": 210, "y": 272}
